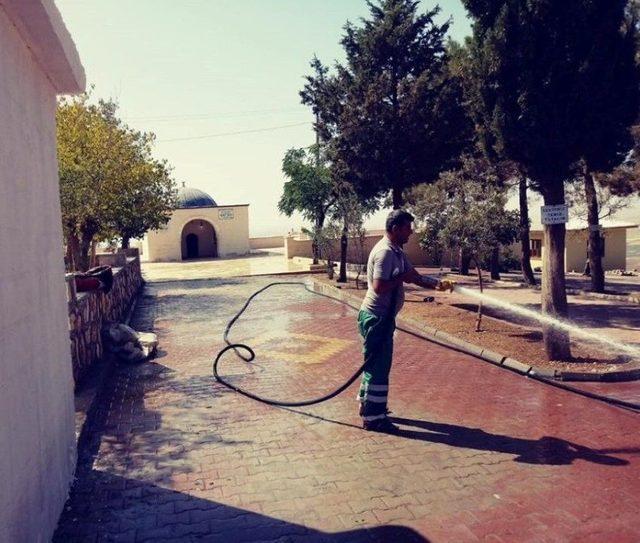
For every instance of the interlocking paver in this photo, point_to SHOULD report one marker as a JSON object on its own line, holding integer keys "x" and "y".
{"x": 483, "y": 455}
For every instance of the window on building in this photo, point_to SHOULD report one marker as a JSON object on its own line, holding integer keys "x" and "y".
{"x": 536, "y": 248}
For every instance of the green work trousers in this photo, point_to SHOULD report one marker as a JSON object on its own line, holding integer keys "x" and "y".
{"x": 377, "y": 333}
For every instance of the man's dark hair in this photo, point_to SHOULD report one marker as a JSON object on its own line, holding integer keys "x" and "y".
{"x": 398, "y": 217}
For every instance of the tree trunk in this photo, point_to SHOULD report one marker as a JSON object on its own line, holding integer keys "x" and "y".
{"x": 495, "y": 263}
{"x": 315, "y": 249}
{"x": 554, "y": 295}
{"x": 85, "y": 246}
{"x": 525, "y": 259}
{"x": 396, "y": 194}
{"x": 93, "y": 259}
{"x": 464, "y": 261}
{"x": 595, "y": 244}
{"x": 125, "y": 242}
{"x": 73, "y": 250}
{"x": 479, "y": 316}
{"x": 342, "y": 277}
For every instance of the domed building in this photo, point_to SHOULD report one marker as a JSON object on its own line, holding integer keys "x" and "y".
{"x": 199, "y": 228}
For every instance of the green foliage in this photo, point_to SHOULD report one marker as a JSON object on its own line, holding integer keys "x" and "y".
{"x": 349, "y": 210}
{"x": 110, "y": 185}
{"x": 624, "y": 180}
{"x": 309, "y": 188}
{"x": 552, "y": 82}
{"x": 464, "y": 210}
{"x": 391, "y": 113}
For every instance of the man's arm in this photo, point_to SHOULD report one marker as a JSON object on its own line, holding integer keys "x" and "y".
{"x": 412, "y": 276}
{"x": 380, "y": 286}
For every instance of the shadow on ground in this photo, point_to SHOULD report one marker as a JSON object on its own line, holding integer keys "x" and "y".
{"x": 108, "y": 507}
{"x": 107, "y": 503}
{"x": 546, "y": 450}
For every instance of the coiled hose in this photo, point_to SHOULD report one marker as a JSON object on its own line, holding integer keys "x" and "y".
{"x": 237, "y": 347}
{"x": 241, "y": 346}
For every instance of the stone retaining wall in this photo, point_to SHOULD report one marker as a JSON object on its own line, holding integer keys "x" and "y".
{"x": 89, "y": 310}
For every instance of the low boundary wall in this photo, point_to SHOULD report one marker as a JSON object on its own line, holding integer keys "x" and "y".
{"x": 266, "y": 242}
{"x": 302, "y": 248}
{"x": 88, "y": 311}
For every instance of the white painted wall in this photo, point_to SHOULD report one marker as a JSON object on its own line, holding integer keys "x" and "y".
{"x": 232, "y": 235}
{"x": 37, "y": 434}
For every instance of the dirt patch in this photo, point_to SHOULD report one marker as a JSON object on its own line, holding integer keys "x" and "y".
{"x": 515, "y": 340}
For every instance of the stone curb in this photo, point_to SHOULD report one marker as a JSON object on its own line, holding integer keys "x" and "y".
{"x": 439, "y": 337}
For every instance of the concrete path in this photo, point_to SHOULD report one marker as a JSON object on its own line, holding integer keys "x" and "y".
{"x": 259, "y": 262}
{"x": 484, "y": 455}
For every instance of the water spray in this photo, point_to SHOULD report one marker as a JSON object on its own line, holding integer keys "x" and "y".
{"x": 550, "y": 320}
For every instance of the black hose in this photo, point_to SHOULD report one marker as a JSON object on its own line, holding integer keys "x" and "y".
{"x": 235, "y": 346}
{"x": 252, "y": 355}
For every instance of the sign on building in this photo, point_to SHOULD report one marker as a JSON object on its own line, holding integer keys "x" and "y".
{"x": 225, "y": 214}
{"x": 556, "y": 214}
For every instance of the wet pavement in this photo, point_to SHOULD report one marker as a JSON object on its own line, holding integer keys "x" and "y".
{"x": 259, "y": 262}
{"x": 484, "y": 454}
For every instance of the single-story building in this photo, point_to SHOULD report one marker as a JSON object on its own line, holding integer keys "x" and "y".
{"x": 38, "y": 61}
{"x": 199, "y": 228}
{"x": 614, "y": 247}
{"x": 614, "y": 244}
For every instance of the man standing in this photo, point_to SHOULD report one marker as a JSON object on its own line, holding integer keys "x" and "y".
{"x": 387, "y": 270}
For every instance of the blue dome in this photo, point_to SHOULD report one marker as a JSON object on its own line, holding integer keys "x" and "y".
{"x": 190, "y": 197}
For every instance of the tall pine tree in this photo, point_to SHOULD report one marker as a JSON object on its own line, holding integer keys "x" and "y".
{"x": 543, "y": 90}
{"x": 394, "y": 116}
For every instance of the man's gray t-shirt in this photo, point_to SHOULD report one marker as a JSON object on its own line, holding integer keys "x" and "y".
{"x": 386, "y": 261}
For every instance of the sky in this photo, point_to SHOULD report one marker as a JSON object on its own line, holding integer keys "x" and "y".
{"x": 200, "y": 68}
{"x": 197, "y": 72}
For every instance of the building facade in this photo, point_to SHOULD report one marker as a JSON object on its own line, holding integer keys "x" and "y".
{"x": 614, "y": 245}
{"x": 199, "y": 228}
{"x": 38, "y": 61}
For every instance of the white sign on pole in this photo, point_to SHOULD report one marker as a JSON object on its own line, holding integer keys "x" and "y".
{"x": 556, "y": 214}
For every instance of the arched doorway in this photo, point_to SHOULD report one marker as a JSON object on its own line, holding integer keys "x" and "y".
{"x": 199, "y": 240}
{"x": 192, "y": 246}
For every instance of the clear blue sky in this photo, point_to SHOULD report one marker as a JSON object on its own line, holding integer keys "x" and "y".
{"x": 198, "y": 67}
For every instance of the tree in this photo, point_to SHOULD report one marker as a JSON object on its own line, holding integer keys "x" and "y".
{"x": 105, "y": 167}
{"x": 147, "y": 195}
{"x": 461, "y": 65}
{"x": 525, "y": 228}
{"x": 391, "y": 113}
{"x": 465, "y": 209}
{"x": 349, "y": 213}
{"x": 609, "y": 203}
{"x": 309, "y": 189}
{"x": 612, "y": 109}
{"x": 541, "y": 88}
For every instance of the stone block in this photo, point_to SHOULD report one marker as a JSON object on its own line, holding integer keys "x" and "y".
{"x": 516, "y": 365}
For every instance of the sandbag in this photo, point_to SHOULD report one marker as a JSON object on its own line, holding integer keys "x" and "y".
{"x": 127, "y": 344}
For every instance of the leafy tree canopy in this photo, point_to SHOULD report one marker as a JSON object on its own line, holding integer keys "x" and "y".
{"x": 554, "y": 82}
{"x": 465, "y": 210}
{"x": 309, "y": 189}
{"x": 393, "y": 115}
{"x": 110, "y": 185}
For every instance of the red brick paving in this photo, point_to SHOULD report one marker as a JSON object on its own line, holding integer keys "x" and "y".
{"x": 484, "y": 454}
